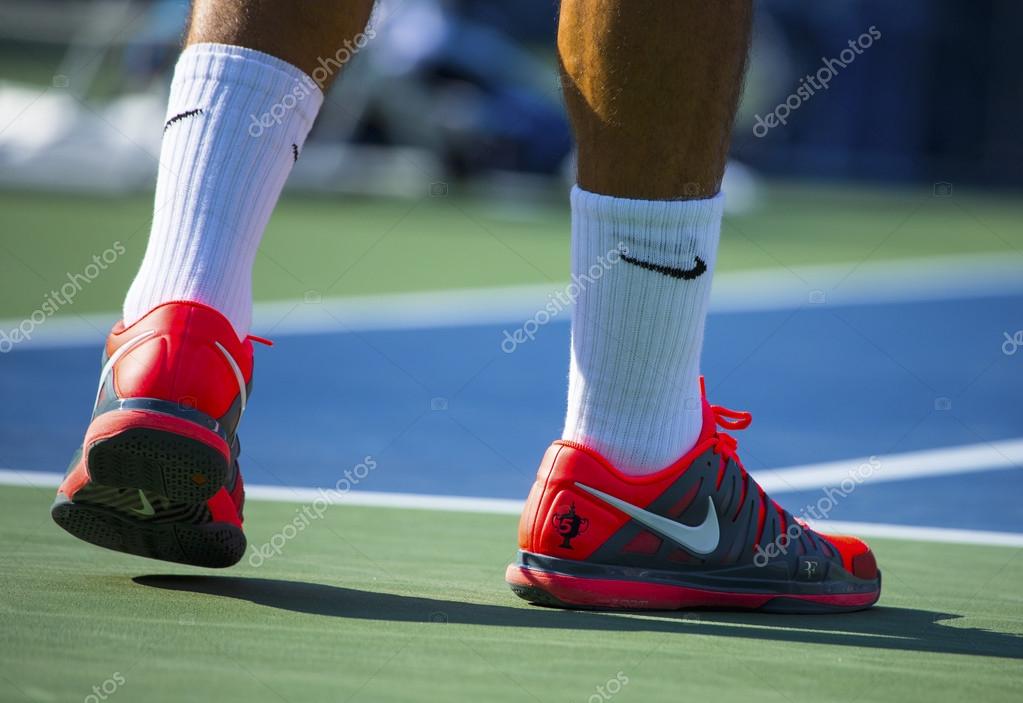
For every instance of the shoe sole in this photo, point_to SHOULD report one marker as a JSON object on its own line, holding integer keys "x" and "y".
{"x": 155, "y": 452}
{"x": 579, "y": 592}
{"x": 214, "y": 544}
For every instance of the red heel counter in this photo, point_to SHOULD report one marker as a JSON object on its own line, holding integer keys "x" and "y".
{"x": 527, "y": 522}
{"x": 561, "y": 519}
{"x": 181, "y": 362}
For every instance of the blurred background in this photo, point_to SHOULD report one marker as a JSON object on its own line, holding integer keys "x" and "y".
{"x": 869, "y": 276}
{"x": 467, "y": 89}
{"x": 460, "y": 99}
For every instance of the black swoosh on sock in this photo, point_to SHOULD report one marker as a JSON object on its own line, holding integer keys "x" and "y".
{"x": 181, "y": 116}
{"x": 699, "y": 267}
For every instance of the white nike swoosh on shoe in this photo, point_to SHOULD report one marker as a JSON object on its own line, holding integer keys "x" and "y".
{"x": 121, "y": 351}
{"x": 147, "y": 507}
{"x": 239, "y": 377}
{"x": 698, "y": 539}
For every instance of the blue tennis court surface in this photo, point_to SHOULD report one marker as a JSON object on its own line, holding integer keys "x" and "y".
{"x": 446, "y": 411}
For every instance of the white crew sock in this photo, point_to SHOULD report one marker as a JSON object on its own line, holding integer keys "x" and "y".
{"x": 633, "y": 392}
{"x": 236, "y": 121}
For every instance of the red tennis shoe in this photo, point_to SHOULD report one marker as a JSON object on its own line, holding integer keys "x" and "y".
{"x": 699, "y": 533}
{"x": 157, "y": 474}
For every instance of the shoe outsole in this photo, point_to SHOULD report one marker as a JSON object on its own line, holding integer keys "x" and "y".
{"x": 579, "y": 593}
{"x": 215, "y": 545}
{"x": 185, "y": 469}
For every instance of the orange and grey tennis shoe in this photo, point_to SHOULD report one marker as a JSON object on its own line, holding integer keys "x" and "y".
{"x": 157, "y": 474}
{"x": 699, "y": 533}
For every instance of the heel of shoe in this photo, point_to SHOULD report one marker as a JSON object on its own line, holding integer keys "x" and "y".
{"x": 156, "y": 452}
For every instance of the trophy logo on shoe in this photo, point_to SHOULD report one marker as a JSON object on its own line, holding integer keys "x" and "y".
{"x": 570, "y": 525}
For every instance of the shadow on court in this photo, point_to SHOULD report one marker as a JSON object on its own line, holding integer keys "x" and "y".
{"x": 880, "y": 627}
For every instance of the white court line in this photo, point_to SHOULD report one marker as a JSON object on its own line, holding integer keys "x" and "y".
{"x": 503, "y": 506}
{"x": 936, "y": 462}
{"x": 987, "y": 456}
{"x": 970, "y": 458}
{"x": 834, "y": 285}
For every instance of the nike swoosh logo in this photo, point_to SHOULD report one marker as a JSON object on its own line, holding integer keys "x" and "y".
{"x": 181, "y": 116}
{"x": 698, "y": 539}
{"x": 115, "y": 357}
{"x": 147, "y": 508}
{"x": 238, "y": 376}
{"x": 699, "y": 267}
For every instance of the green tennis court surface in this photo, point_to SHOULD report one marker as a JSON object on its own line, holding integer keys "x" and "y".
{"x": 373, "y": 604}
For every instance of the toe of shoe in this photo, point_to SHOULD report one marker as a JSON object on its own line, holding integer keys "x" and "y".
{"x": 857, "y": 558}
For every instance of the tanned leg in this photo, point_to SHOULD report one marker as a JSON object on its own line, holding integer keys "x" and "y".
{"x": 300, "y": 32}
{"x": 647, "y": 477}
{"x": 651, "y": 89}
{"x": 246, "y": 90}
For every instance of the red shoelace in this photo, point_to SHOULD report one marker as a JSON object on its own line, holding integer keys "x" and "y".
{"x": 729, "y": 419}
{"x": 726, "y": 446}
